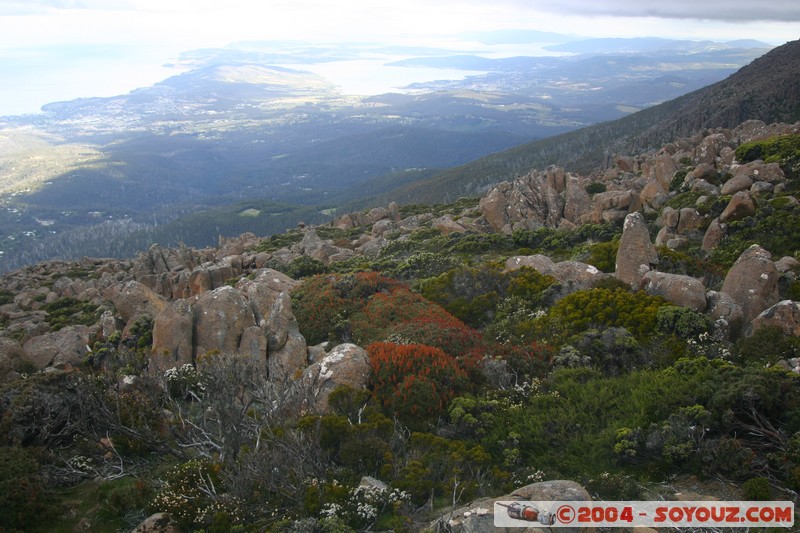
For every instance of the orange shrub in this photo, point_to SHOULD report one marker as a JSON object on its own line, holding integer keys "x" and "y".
{"x": 414, "y": 381}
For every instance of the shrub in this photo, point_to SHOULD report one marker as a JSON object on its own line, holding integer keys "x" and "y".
{"x": 414, "y": 381}
{"x": 782, "y": 149}
{"x": 682, "y": 322}
{"x": 596, "y": 187}
{"x": 69, "y": 312}
{"x": 756, "y": 489}
{"x": 602, "y": 309}
{"x": 189, "y": 494}
{"x": 323, "y": 304}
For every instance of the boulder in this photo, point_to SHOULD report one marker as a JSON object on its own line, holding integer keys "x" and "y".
{"x": 787, "y": 264}
{"x": 759, "y": 171}
{"x": 684, "y": 291}
{"x": 173, "y": 336}
{"x": 761, "y": 187}
{"x": 715, "y": 232}
{"x": 478, "y": 516}
{"x": 220, "y": 318}
{"x": 539, "y": 262}
{"x": 725, "y": 312}
{"x": 447, "y": 225}
{"x": 132, "y": 300}
{"x": 254, "y": 344}
{"x": 287, "y": 352}
{"x": 710, "y": 147}
{"x": 346, "y": 364}
{"x": 158, "y": 523}
{"x": 740, "y": 182}
{"x": 67, "y": 346}
{"x": 752, "y": 282}
{"x": 783, "y": 315}
{"x": 689, "y": 220}
{"x": 741, "y": 205}
{"x": 636, "y": 253}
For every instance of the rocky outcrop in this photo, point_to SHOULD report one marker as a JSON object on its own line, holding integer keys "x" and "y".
{"x": 529, "y": 202}
{"x": 262, "y": 291}
{"x": 478, "y": 516}
{"x": 636, "y": 254}
{"x": 752, "y": 282}
{"x": 726, "y": 313}
{"x": 346, "y": 364}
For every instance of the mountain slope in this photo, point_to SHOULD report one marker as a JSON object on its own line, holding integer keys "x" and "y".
{"x": 767, "y": 89}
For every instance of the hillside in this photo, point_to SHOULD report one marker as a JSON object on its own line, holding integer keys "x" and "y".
{"x": 767, "y": 89}
{"x": 626, "y": 335}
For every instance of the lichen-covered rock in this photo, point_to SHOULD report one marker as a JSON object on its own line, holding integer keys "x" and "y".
{"x": 262, "y": 291}
{"x": 636, "y": 253}
{"x": 158, "y": 523}
{"x": 715, "y": 232}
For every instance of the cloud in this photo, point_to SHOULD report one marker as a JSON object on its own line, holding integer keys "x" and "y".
{"x": 717, "y": 10}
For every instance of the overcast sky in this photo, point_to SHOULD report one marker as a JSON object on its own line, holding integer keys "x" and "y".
{"x": 41, "y": 41}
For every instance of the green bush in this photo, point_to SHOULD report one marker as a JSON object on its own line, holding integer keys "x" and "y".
{"x": 756, "y": 489}
{"x": 782, "y": 149}
{"x": 70, "y": 312}
{"x": 596, "y": 187}
{"x": 682, "y": 322}
{"x": 601, "y": 309}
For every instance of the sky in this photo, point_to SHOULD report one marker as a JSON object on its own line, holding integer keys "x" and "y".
{"x": 62, "y": 49}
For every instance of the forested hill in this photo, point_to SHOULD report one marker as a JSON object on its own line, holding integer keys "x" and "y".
{"x": 767, "y": 89}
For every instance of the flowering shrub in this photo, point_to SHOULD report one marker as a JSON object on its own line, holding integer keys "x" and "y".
{"x": 435, "y": 327}
{"x": 364, "y": 504}
{"x": 413, "y": 380}
{"x": 189, "y": 494}
{"x": 184, "y": 382}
